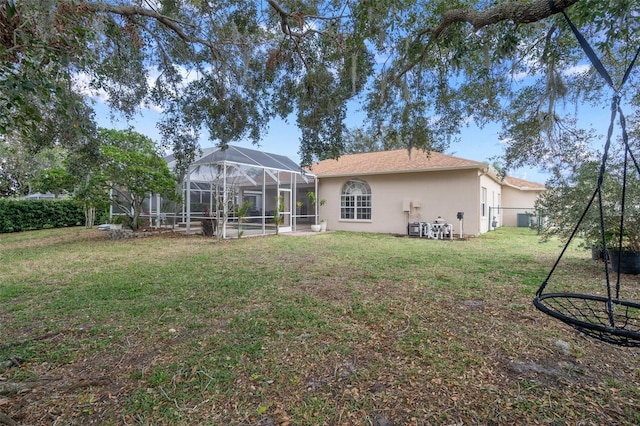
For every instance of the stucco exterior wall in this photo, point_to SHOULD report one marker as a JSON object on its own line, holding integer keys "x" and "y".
{"x": 494, "y": 197}
{"x": 517, "y": 201}
{"x": 426, "y": 195}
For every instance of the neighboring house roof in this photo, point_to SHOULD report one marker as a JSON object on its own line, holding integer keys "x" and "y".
{"x": 522, "y": 184}
{"x": 396, "y": 161}
{"x": 41, "y": 196}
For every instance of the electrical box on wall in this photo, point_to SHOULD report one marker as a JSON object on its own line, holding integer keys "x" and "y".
{"x": 415, "y": 204}
{"x": 405, "y": 206}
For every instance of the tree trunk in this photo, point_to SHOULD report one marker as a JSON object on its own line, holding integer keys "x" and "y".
{"x": 518, "y": 12}
{"x": 89, "y": 216}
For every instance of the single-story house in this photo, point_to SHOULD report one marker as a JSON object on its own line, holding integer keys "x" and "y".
{"x": 386, "y": 191}
{"x": 519, "y": 195}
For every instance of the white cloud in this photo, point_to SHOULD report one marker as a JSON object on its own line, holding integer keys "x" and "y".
{"x": 576, "y": 70}
{"x": 82, "y": 84}
{"x": 519, "y": 76}
{"x": 468, "y": 120}
{"x": 505, "y": 141}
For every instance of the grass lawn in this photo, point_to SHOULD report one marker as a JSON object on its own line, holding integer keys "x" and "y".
{"x": 326, "y": 329}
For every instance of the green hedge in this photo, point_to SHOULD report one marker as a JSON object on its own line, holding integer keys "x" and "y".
{"x": 25, "y": 215}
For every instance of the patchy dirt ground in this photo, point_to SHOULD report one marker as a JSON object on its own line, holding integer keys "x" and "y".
{"x": 397, "y": 352}
{"x": 93, "y": 390}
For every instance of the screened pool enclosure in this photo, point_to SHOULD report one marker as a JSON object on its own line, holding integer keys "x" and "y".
{"x": 239, "y": 190}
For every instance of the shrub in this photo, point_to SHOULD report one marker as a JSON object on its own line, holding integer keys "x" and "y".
{"x": 25, "y": 215}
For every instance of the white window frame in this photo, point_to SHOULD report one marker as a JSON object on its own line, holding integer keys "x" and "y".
{"x": 356, "y": 201}
{"x": 483, "y": 201}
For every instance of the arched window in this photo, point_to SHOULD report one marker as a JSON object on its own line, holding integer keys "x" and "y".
{"x": 355, "y": 200}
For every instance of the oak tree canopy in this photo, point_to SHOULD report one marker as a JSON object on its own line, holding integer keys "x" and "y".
{"x": 420, "y": 70}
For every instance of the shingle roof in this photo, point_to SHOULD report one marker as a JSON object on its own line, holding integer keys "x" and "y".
{"x": 401, "y": 161}
{"x": 523, "y": 184}
{"x": 396, "y": 161}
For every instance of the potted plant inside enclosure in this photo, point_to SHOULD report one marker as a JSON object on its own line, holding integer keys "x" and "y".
{"x": 316, "y": 227}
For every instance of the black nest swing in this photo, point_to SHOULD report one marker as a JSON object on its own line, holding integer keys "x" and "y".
{"x": 609, "y": 317}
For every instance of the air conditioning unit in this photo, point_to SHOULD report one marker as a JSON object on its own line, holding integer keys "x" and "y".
{"x": 415, "y": 229}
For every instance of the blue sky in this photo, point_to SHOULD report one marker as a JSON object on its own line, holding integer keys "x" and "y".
{"x": 283, "y": 138}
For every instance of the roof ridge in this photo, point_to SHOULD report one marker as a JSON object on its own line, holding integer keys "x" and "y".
{"x": 420, "y": 160}
{"x": 409, "y": 151}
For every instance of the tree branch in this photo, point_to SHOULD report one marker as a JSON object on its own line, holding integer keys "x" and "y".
{"x": 284, "y": 21}
{"x": 519, "y": 12}
{"x": 133, "y": 11}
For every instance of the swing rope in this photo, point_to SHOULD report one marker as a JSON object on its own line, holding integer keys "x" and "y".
{"x": 605, "y": 318}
